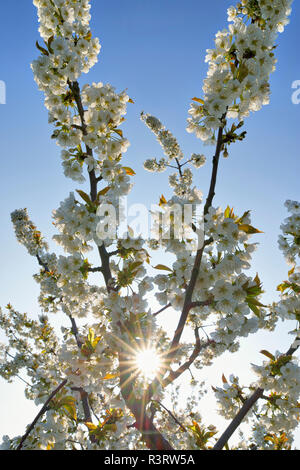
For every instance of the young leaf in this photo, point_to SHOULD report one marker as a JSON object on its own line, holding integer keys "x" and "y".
{"x": 110, "y": 376}
{"x": 199, "y": 100}
{"x": 91, "y": 426}
{"x": 162, "y": 267}
{"x": 42, "y": 49}
{"x": 249, "y": 229}
{"x": 224, "y": 380}
{"x": 129, "y": 171}
{"x": 267, "y": 354}
{"x": 68, "y": 403}
{"x": 103, "y": 192}
{"x": 257, "y": 280}
{"x": 291, "y": 271}
{"x": 84, "y": 196}
{"x": 162, "y": 200}
{"x": 119, "y": 132}
{"x": 88, "y": 37}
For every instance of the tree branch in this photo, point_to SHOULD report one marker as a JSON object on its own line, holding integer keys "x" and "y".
{"x": 42, "y": 411}
{"x": 162, "y": 310}
{"x": 95, "y": 270}
{"x": 248, "y": 404}
{"x": 173, "y": 375}
{"x": 152, "y": 437}
{"x": 198, "y": 259}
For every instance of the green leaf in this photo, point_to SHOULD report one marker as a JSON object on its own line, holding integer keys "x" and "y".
{"x": 249, "y": 229}
{"x": 84, "y": 196}
{"x": 257, "y": 281}
{"x": 91, "y": 335}
{"x": 129, "y": 171}
{"x": 109, "y": 376}
{"x": 68, "y": 403}
{"x": 267, "y": 354}
{"x": 229, "y": 214}
{"x": 291, "y": 271}
{"x": 162, "y": 200}
{"x": 119, "y": 132}
{"x": 162, "y": 267}
{"x": 42, "y": 49}
{"x": 242, "y": 72}
{"x": 199, "y": 100}
{"x": 252, "y": 305}
{"x": 240, "y": 220}
{"x": 91, "y": 426}
{"x": 135, "y": 265}
{"x": 102, "y": 193}
{"x": 49, "y": 42}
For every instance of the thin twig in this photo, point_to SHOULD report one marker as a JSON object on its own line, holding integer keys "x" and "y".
{"x": 162, "y": 310}
{"x": 95, "y": 270}
{"x": 248, "y": 404}
{"x": 171, "y": 414}
{"x": 173, "y": 375}
{"x": 42, "y": 411}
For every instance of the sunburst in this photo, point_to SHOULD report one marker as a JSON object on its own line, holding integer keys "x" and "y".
{"x": 148, "y": 362}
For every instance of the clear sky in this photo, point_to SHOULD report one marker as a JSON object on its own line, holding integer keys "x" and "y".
{"x": 156, "y": 50}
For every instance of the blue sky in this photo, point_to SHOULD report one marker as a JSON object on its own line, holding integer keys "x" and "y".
{"x": 156, "y": 50}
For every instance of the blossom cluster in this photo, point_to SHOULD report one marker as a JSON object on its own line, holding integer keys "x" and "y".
{"x": 34, "y": 346}
{"x": 223, "y": 292}
{"x": 229, "y": 397}
{"x": 239, "y": 66}
{"x": 90, "y": 120}
{"x": 289, "y": 242}
{"x": 280, "y": 378}
{"x": 76, "y": 225}
{"x": 116, "y": 320}
{"x": 27, "y": 233}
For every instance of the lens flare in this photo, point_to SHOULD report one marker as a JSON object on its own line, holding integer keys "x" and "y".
{"x": 148, "y": 362}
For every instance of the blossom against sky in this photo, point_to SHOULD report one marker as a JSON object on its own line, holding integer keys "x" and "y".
{"x": 157, "y": 51}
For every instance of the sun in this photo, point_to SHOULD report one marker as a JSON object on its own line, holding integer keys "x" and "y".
{"x": 148, "y": 362}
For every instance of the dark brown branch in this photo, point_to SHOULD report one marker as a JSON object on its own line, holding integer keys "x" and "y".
{"x": 75, "y": 332}
{"x": 41, "y": 263}
{"x": 248, "y": 404}
{"x": 75, "y": 126}
{"x": 162, "y": 310}
{"x": 203, "y": 303}
{"x": 179, "y": 167}
{"x": 85, "y": 404}
{"x": 292, "y": 349}
{"x": 113, "y": 253}
{"x": 95, "y": 270}
{"x": 42, "y": 411}
{"x": 152, "y": 437}
{"x": 198, "y": 259}
{"x": 173, "y": 375}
